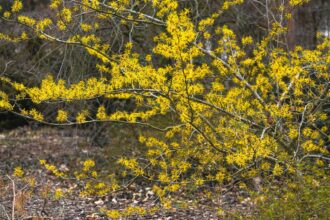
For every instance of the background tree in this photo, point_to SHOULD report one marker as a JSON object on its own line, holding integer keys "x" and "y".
{"x": 305, "y": 23}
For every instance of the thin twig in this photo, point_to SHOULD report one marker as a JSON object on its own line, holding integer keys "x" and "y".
{"x": 299, "y": 131}
{"x": 4, "y": 210}
{"x": 14, "y": 197}
{"x": 319, "y": 156}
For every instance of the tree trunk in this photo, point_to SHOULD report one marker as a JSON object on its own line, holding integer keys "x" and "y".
{"x": 303, "y": 26}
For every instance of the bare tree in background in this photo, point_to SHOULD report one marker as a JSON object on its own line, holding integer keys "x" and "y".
{"x": 305, "y": 23}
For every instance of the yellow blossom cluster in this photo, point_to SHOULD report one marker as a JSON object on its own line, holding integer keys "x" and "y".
{"x": 91, "y": 185}
{"x": 62, "y": 116}
{"x": 26, "y": 20}
{"x": 52, "y": 168}
{"x": 129, "y": 211}
{"x": 239, "y": 108}
{"x": 18, "y": 172}
{"x": 17, "y": 6}
{"x": 4, "y": 101}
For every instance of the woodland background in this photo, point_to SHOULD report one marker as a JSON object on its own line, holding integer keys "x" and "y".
{"x": 23, "y": 141}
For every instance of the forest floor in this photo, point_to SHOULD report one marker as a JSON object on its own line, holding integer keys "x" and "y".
{"x": 67, "y": 148}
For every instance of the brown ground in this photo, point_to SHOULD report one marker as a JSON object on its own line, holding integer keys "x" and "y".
{"x": 67, "y": 148}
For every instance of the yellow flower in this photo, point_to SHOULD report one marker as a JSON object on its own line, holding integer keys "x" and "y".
{"x": 62, "y": 116}
{"x": 17, "y": 6}
{"x": 18, "y": 171}
{"x": 94, "y": 174}
{"x": 41, "y": 25}
{"x": 55, "y": 4}
{"x": 6, "y": 14}
{"x": 173, "y": 188}
{"x": 113, "y": 214}
{"x": 61, "y": 25}
{"x": 297, "y": 2}
{"x": 88, "y": 164}
{"x": 24, "y": 36}
{"x": 36, "y": 115}
{"x": 66, "y": 15}
{"x": 81, "y": 117}
{"x": 220, "y": 176}
{"x": 85, "y": 27}
{"x": 26, "y": 20}
{"x": 31, "y": 181}
{"x": 101, "y": 113}
{"x": 58, "y": 194}
{"x": 278, "y": 170}
{"x": 247, "y": 40}
{"x": 148, "y": 58}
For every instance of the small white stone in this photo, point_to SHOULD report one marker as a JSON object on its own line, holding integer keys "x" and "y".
{"x": 99, "y": 202}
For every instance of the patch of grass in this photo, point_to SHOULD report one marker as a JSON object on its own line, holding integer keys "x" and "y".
{"x": 304, "y": 198}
